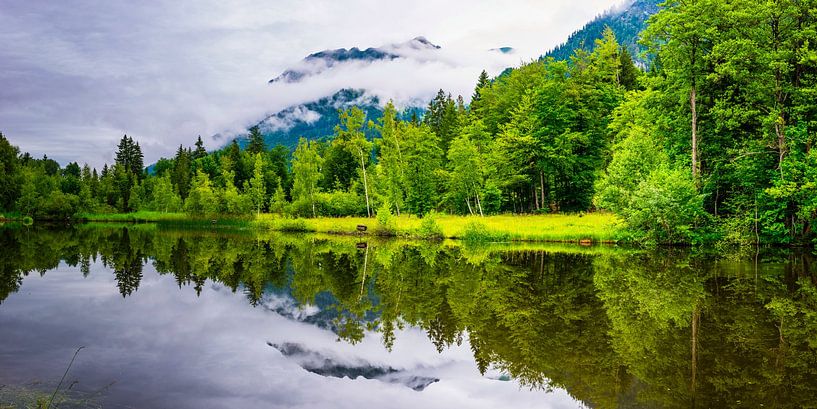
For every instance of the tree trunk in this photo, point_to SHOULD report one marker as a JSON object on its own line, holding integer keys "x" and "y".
{"x": 535, "y": 197}
{"x": 469, "y": 206}
{"x": 542, "y": 186}
{"x": 365, "y": 185}
{"x": 693, "y": 106}
{"x": 479, "y": 205}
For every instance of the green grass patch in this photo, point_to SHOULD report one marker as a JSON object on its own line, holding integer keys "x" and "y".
{"x": 584, "y": 228}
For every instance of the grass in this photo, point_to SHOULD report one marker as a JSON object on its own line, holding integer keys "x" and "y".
{"x": 558, "y": 228}
{"x": 593, "y": 228}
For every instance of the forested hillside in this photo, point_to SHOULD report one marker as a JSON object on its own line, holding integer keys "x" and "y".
{"x": 626, "y": 22}
{"x": 713, "y": 143}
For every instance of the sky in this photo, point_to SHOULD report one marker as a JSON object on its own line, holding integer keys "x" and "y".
{"x": 77, "y": 75}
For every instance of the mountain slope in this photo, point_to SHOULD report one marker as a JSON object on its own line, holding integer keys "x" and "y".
{"x": 317, "y": 120}
{"x": 627, "y": 23}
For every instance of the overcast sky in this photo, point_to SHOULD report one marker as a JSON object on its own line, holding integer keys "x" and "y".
{"x": 77, "y": 75}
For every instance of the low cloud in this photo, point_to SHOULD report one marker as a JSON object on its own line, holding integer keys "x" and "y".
{"x": 75, "y": 77}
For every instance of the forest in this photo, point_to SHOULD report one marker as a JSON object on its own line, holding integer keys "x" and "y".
{"x": 711, "y": 141}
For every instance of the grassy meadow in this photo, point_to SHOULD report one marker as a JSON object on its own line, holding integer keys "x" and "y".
{"x": 592, "y": 227}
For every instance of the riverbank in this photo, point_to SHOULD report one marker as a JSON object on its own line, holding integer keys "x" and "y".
{"x": 557, "y": 228}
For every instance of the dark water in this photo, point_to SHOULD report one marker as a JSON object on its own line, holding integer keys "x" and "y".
{"x": 233, "y": 320}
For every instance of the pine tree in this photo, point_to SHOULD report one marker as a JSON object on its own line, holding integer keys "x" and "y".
{"x": 256, "y": 144}
{"x": 199, "y": 152}
{"x": 482, "y": 82}
{"x": 628, "y": 73}
{"x": 182, "y": 172}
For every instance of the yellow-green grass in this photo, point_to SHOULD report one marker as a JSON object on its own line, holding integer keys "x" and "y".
{"x": 593, "y": 227}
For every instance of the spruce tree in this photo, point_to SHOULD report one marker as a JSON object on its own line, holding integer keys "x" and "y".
{"x": 256, "y": 144}
{"x": 628, "y": 72}
{"x": 199, "y": 152}
{"x": 482, "y": 82}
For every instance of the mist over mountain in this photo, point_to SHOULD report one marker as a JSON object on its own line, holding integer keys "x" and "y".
{"x": 317, "y": 119}
{"x": 314, "y": 64}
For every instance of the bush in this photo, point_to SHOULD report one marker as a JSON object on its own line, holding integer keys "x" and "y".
{"x": 666, "y": 206}
{"x": 429, "y": 228}
{"x": 339, "y": 204}
{"x": 292, "y": 225}
{"x": 475, "y": 231}
{"x": 58, "y": 206}
{"x": 386, "y": 225}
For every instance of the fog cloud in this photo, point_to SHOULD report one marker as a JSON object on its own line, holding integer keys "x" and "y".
{"x": 75, "y": 76}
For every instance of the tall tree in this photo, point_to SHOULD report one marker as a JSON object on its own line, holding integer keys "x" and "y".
{"x": 349, "y": 133}
{"x": 482, "y": 82}
{"x": 256, "y": 144}
{"x": 390, "y": 162}
{"x": 257, "y": 190}
{"x": 182, "y": 170}
{"x": 12, "y": 177}
{"x": 682, "y": 35}
{"x": 199, "y": 152}
{"x": 306, "y": 165}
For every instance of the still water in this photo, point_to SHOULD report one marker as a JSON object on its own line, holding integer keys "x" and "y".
{"x": 205, "y": 319}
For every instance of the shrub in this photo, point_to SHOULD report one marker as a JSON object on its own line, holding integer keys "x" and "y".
{"x": 429, "y": 228}
{"x": 339, "y": 203}
{"x": 386, "y": 225}
{"x": 666, "y": 206}
{"x": 476, "y": 231}
{"x": 292, "y": 225}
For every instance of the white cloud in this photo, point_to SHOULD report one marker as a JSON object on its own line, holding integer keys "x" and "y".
{"x": 75, "y": 76}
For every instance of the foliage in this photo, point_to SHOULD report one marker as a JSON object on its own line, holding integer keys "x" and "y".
{"x": 666, "y": 206}
{"x": 429, "y": 228}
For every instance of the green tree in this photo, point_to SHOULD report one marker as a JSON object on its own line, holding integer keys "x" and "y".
{"x": 234, "y": 201}
{"x": 12, "y": 180}
{"x": 424, "y": 173}
{"x": 682, "y": 35}
{"x": 257, "y": 190}
{"x": 182, "y": 172}
{"x": 256, "y": 144}
{"x": 306, "y": 165}
{"x": 199, "y": 152}
{"x": 350, "y": 135}
{"x": 391, "y": 166}
{"x": 165, "y": 198}
{"x": 202, "y": 199}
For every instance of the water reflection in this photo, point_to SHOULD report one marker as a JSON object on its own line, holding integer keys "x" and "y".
{"x": 613, "y": 328}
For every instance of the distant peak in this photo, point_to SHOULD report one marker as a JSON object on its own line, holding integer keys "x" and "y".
{"x": 321, "y": 61}
{"x": 424, "y": 41}
{"x": 503, "y": 50}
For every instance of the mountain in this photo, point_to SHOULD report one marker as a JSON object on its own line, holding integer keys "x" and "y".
{"x": 319, "y": 62}
{"x": 317, "y": 119}
{"x": 627, "y": 22}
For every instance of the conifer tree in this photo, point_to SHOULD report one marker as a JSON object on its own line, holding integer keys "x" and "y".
{"x": 256, "y": 144}
{"x": 199, "y": 152}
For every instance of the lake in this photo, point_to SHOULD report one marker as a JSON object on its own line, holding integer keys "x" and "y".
{"x": 233, "y": 319}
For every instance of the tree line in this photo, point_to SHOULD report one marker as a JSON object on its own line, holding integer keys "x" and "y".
{"x": 712, "y": 140}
